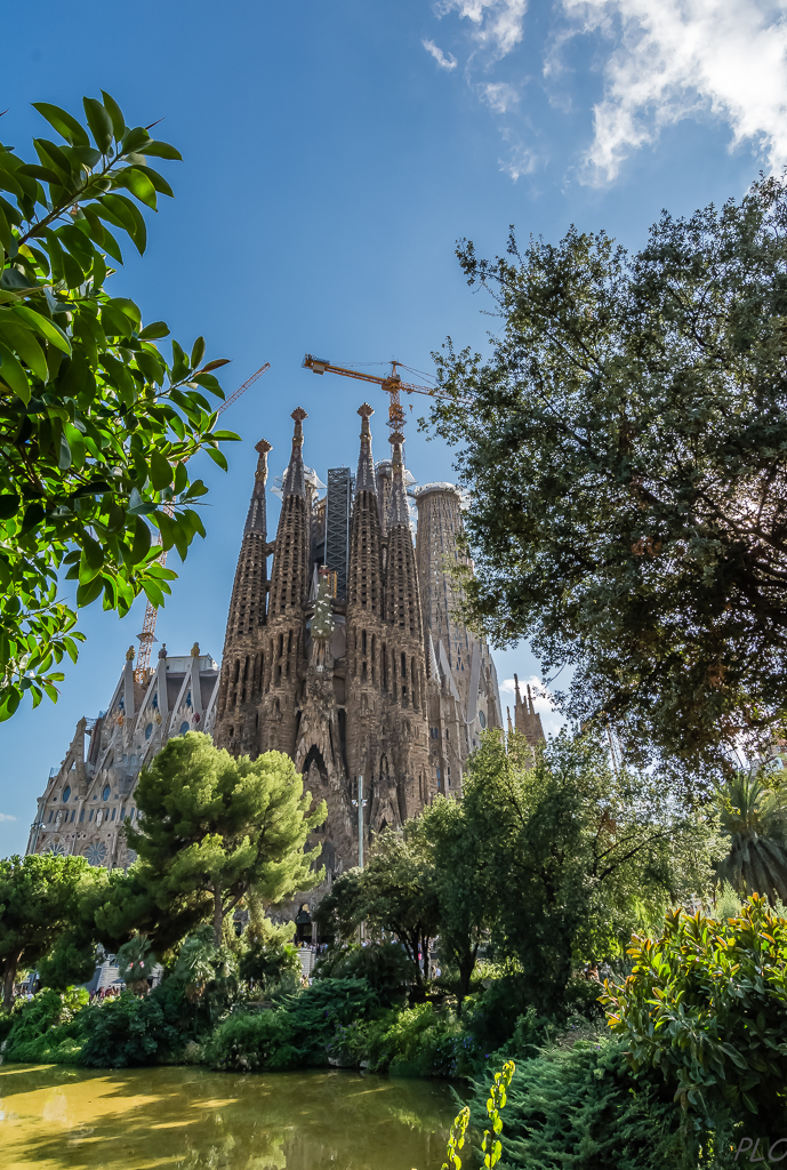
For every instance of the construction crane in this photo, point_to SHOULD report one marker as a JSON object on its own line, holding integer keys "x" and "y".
{"x": 392, "y": 384}
{"x": 148, "y": 635}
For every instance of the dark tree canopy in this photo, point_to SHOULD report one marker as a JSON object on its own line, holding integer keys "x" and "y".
{"x": 626, "y": 447}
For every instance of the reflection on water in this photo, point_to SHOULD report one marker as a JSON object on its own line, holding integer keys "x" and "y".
{"x": 140, "y": 1119}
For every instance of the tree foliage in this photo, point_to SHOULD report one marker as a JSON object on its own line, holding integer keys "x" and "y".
{"x": 626, "y": 447}
{"x": 575, "y": 855}
{"x": 753, "y": 823}
{"x": 39, "y": 900}
{"x": 96, "y": 422}
{"x": 704, "y": 1007}
{"x": 214, "y": 828}
{"x": 394, "y": 894}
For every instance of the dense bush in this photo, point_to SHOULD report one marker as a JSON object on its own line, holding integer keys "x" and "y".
{"x": 44, "y": 1029}
{"x": 423, "y": 1041}
{"x": 491, "y": 1015}
{"x": 384, "y": 966}
{"x": 266, "y": 967}
{"x": 705, "y": 1009}
{"x": 248, "y": 1041}
{"x": 580, "y": 1106}
{"x": 126, "y": 1031}
{"x": 297, "y": 1032}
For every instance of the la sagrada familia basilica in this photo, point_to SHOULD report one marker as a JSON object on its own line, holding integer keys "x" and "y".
{"x": 343, "y": 649}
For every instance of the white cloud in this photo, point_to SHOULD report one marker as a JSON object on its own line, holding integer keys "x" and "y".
{"x": 6, "y": 817}
{"x": 659, "y": 63}
{"x": 520, "y": 161}
{"x": 444, "y": 60}
{"x": 498, "y": 25}
{"x": 676, "y": 58}
{"x": 500, "y": 96}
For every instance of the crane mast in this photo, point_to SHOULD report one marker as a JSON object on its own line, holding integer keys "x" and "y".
{"x": 148, "y": 634}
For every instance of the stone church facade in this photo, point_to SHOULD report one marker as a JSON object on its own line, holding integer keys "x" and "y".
{"x": 347, "y": 654}
{"x": 342, "y": 649}
{"x": 91, "y": 795}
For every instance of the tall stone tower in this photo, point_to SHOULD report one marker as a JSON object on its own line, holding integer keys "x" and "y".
{"x": 527, "y": 720}
{"x": 350, "y": 658}
{"x": 241, "y": 669}
{"x": 463, "y": 691}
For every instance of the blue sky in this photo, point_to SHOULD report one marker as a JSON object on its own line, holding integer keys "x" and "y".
{"x": 334, "y": 151}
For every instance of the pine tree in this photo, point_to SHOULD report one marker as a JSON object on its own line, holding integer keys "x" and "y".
{"x": 221, "y": 827}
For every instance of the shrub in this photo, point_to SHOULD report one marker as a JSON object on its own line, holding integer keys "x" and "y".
{"x": 423, "y": 1041}
{"x": 270, "y": 965}
{"x": 247, "y": 1041}
{"x": 297, "y": 1032}
{"x": 384, "y": 966}
{"x": 705, "y": 1007}
{"x": 43, "y": 1029}
{"x": 581, "y": 1107}
{"x": 491, "y": 1016}
{"x": 126, "y": 1031}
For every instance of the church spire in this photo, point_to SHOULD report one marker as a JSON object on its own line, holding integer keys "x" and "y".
{"x": 295, "y": 477}
{"x": 290, "y": 573}
{"x": 365, "y": 481}
{"x": 400, "y": 513}
{"x": 402, "y": 595}
{"x": 256, "y": 517}
{"x": 247, "y": 607}
{"x": 365, "y": 577}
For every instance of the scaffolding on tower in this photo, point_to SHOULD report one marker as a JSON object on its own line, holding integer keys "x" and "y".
{"x": 148, "y": 634}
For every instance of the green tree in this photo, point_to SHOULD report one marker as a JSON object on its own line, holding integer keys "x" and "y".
{"x": 394, "y": 894}
{"x": 753, "y": 821}
{"x": 463, "y": 899}
{"x": 214, "y": 828}
{"x": 575, "y": 855}
{"x": 625, "y": 444}
{"x": 96, "y": 424}
{"x": 39, "y": 900}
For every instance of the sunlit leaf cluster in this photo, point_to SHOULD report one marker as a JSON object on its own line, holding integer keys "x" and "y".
{"x": 97, "y": 419}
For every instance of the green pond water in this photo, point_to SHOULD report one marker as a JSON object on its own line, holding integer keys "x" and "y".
{"x": 52, "y": 1118}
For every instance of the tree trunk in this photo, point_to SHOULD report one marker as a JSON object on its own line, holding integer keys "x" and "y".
{"x": 466, "y": 967}
{"x": 218, "y": 916}
{"x": 9, "y": 978}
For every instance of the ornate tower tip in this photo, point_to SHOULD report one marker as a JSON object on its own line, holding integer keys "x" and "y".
{"x": 130, "y": 654}
{"x": 299, "y": 414}
{"x": 396, "y": 437}
{"x": 263, "y": 447}
{"x": 365, "y": 410}
{"x": 195, "y": 650}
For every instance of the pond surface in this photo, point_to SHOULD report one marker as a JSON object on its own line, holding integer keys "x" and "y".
{"x": 53, "y": 1117}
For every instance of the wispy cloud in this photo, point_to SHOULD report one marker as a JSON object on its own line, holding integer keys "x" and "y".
{"x": 520, "y": 161}
{"x": 659, "y": 64}
{"x": 497, "y": 25}
{"x": 6, "y": 817}
{"x": 444, "y": 60}
{"x": 674, "y": 59}
{"x": 500, "y": 96}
